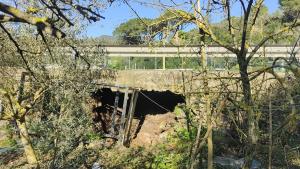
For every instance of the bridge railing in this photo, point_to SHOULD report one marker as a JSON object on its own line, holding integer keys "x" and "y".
{"x": 180, "y": 57}
{"x": 214, "y": 63}
{"x": 187, "y": 57}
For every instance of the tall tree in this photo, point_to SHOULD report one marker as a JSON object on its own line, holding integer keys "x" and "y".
{"x": 48, "y": 19}
{"x": 133, "y": 31}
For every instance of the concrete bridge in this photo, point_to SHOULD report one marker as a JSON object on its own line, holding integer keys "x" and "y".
{"x": 168, "y": 79}
{"x": 213, "y": 52}
{"x": 174, "y": 79}
{"x": 156, "y": 80}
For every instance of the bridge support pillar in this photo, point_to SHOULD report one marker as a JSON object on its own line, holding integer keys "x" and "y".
{"x": 164, "y": 63}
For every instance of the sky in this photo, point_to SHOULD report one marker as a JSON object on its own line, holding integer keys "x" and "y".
{"x": 119, "y": 12}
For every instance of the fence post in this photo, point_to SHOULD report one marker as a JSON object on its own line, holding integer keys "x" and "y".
{"x": 122, "y": 125}
{"x": 130, "y": 116}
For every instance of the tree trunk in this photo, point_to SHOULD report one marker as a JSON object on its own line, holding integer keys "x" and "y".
{"x": 252, "y": 123}
{"x": 209, "y": 138}
{"x": 29, "y": 152}
{"x": 270, "y": 133}
{"x": 246, "y": 87}
{"x": 194, "y": 163}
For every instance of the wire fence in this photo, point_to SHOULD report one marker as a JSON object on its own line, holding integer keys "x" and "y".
{"x": 154, "y": 102}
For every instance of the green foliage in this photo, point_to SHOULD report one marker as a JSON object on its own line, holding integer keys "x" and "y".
{"x": 291, "y": 9}
{"x": 132, "y": 158}
{"x": 170, "y": 22}
{"x": 65, "y": 124}
{"x": 133, "y": 31}
{"x": 290, "y": 5}
{"x": 60, "y": 123}
{"x": 8, "y": 142}
{"x": 7, "y": 139}
{"x": 121, "y": 63}
{"x": 167, "y": 160}
{"x": 140, "y": 31}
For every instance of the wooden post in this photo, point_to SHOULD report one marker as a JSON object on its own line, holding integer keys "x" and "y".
{"x": 122, "y": 125}
{"x": 112, "y": 129}
{"x": 130, "y": 116}
{"x": 1, "y": 107}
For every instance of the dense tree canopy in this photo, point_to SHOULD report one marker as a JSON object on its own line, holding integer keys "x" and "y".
{"x": 292, "y": 5}
{"x": 291, "y": 9}
{"x": 168, "y": 25}
{"x": 141, "y": 30}
{"x": 133, "y": 32}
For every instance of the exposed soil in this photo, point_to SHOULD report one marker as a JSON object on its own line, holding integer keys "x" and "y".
{"x": 153, "y": 117}
{"x": 155, "y": 129}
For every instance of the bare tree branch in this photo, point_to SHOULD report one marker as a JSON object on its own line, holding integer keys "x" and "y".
{"x": 245, "y": 28}
{"x": 42, "y": 24}
{"x": 19, "y": 50}
{"x": 264, "y": 40}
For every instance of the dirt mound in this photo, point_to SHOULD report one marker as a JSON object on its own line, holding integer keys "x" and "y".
{"x": 154, "y": 129}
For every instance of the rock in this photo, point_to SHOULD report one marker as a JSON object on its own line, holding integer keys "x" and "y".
{"x": 235, "y": 163}
{"x": 255, "y": 164}
{"x": 96, "y": 166}
{"x": 229, "y": 162}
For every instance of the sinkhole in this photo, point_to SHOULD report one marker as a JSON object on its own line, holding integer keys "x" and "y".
{"x": 148, "y": 103}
